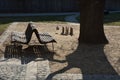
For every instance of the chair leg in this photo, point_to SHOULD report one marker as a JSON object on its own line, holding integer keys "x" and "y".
{"x": 45, "y": 47}
{"x": 15, "y": 44}
{"x": 53, "y": 46}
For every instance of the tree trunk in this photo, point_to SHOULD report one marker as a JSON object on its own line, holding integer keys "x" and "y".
{"x": 91, "y": 22}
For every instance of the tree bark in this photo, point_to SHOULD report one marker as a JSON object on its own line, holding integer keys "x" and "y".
{"x": 91, "y": 22}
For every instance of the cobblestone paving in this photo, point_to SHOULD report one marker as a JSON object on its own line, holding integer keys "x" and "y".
{"x": 31, "y": 71}
{"x": 43, "y": 70}
{"x": 68, "y": 77}
{"x": 12, "y": 70}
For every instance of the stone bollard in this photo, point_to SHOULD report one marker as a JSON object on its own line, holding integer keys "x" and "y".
{"x": 57, "y": 28}
{"x": 71, "y": 31}
{"x": 66, "y": 31}
{"x": 62, "y": 33}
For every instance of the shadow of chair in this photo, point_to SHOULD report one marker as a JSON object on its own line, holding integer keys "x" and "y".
{"x": 32, "y": 53}
{"x": 26, "y": 55}
{"x": 12, "y": 51}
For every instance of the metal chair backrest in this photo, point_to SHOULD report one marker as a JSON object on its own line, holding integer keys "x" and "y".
{"x": 44, "y": 38}
{"x": 28, "y": 32}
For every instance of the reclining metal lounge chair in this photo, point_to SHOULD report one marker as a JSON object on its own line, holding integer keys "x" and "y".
{"x": 44, "y": 38}
{"x": 21, "y": 37}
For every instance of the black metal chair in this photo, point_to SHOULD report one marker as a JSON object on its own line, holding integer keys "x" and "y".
{"x": 44, "y": 38}
{"x": 23, "y": 37}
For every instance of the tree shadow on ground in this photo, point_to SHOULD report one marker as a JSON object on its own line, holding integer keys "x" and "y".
{"x": 91, "y": 60}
